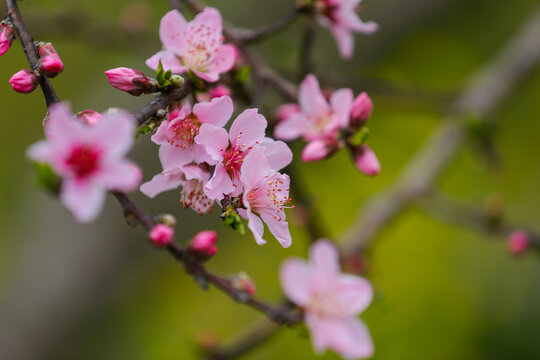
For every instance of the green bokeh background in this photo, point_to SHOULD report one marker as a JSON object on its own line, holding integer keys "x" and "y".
{"x": 443, "y": 292}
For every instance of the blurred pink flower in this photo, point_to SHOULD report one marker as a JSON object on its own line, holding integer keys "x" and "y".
{"x": 317, "y": 118}
{"x": 196, "y": 45}
{"x": 203, "y": 245}
{"x": 518, "y": 242}
{"x": 341, "y": 18}
{"x": 229, "y": 150}
{"x": 331, "y": 301}
{"x": 161, "y": 235}
{"x": 90, "y": 159}
{"x": 266, "y": 195}
{"x": 366, "y": 161}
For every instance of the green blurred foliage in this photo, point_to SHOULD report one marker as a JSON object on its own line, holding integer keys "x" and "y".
{"x": 442, "y": 292}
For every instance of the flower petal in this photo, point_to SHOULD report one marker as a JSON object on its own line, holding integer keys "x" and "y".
{"x": 219, "y": 184}
{"x": 296, "y": 277}
{"x": 174, "y": 157}
{"x": 278, "y": 227}
{"x": 167, "y": 180}
{"x": 83, "y": 198}
{"x": 344, "y": 39}
{"x": 248, "y": 128}
{"x": 291, "y": 127}
{"x": 355, "y": 293}
{"x": 114, "y": 133}
{"x": 120, "y": 175}
{"x": 278, "y": 154}
{"x": 256, "y": 226}
{"x": 171, "y": 27}
{"x": 223, "y": 60}
{"x": 216, "y": 112}
{"x": 310, "y": 97}
{"x": 341, "y": 102}
{"x": 324, "y": 256}
{"x": 168, "y": 60}
{"x": 214, "y": 139}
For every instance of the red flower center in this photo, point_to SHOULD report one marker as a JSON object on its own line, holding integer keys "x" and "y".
{"x": 83, "y": 161}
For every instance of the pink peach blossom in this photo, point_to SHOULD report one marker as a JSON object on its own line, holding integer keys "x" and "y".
{"x": 331, "y": 301}
{"x": 266, "y": 195}
{"x": 317, "y": 117}
{"x": 196, "y": 45}
{"x": 361, "y": 109}
{"x": 341, "y": 18}
{"x": 176, "y": 136}
{"x": 229, "y": 150}
{"x": 90, "y": 159}
{"x": 161, "y": 235}
{"x": 319, "y": 149}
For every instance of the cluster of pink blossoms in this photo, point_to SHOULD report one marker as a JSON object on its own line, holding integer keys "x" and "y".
{"x": 330, "y": 125}
{"x": 211, "y": 163}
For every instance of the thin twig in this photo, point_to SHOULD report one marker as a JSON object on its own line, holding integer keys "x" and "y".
{"x": 307, "y": 46}
{"x": 457, "y": 212}
{"x": 481, "y": 97}
{"x": 248, "y": 36}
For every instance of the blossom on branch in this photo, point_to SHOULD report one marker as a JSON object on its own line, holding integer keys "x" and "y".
{"x": 266, "y": 195}
{"x": 329, "y": 125}
{"x": 331, "y": 301}
{"x": 50, "y": 64}
{"x": 196, "y": 45}
{"x": 341, "y": 18}
{"x": 89, "y": 159}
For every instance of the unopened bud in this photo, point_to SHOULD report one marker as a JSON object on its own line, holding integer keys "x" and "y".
{"x": 354, "y": 263}
{"x": 24, "y": 81}
{"x": 518, "y": 242}
{"x": 161, "y": 235}
{"x": 6, "y": 37}
{"x": 361, "y": 110}
{"x": 366, "y": 161}
{"x": 129, "y": 80}
{"x": 50, "y": 64}
{"x": 286, "y": 110}
{"x": 89, "y": 117}
{"x": 319, "y": 149}
{"x": 203, "y": 245}
{"x": 243, "y": 282}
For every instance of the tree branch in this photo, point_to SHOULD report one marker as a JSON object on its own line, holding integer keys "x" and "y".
{"x": 483, "y": 93}
{"x": 457, "y": 212}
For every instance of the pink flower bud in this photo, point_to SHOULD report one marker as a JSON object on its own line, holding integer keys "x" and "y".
{"x": 203, "y": 245}
{"x": 286, "y": 110}
{"x": 366, "y": 161}
{"x": 361, "y": 110}
{"x": 219, "y": 91}
{"x": 129, "y": 80}
{"x": 243, "y": 282}
{"x": 50, "y": 64}
{"x": 161, "y": 235}
{"x": 89, "y": 117}
{"x": 518, "y": 241}
{"x": 319, "y": 149}
{"x": 6, "y": 37}
{"x": 24, "y": 81}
